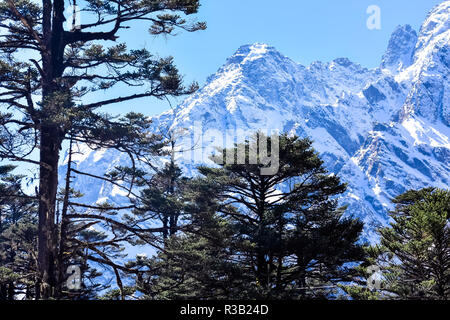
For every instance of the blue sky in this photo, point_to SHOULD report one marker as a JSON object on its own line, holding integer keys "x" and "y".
{"x": 304, "y": 30}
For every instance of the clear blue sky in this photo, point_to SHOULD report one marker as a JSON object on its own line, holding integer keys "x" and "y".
{"x": 304, "y": 30}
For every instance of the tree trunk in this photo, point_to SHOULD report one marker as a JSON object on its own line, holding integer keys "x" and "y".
{"x": 48, "y": 186}
{"x": 62, "y": 265}
{"x": 11, "y": 291}
{"x": 3, "y": 292}
{"x": 51, "y": 136}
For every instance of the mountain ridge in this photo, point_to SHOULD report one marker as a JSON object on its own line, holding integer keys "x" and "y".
{"x": 382, "y": 130}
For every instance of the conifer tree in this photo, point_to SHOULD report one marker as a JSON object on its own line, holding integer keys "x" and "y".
{"x": 256, "y": 236}
{"x": 18, "y": 231}
{"x": 94, "y": 236}
{"x": 42, "y": 57}
{"x": 196, "y": 263}
{"x": 420, "y": 239}
{"x": 413, "y": 257}
{"x": 163, "y": 195}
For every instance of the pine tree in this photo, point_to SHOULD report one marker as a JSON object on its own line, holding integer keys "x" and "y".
{"x": 196, "y": 263}
{"x": 94, "y": 236}
{"x": 18, "y": 231}
{"x": 257, "y": 236}
{"x": 162, "y": 197}
{"x": 419, "y": 239}
{"x": 193, "y": 266}
{"x": 18, "y": 245}
{"x": 413, "y": 257}
{"x": 39, "y": 57}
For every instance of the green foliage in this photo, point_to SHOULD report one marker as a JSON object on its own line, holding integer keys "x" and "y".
{"x": 414, "y": 253}
{"x": 116, "y": 294}
{"x": 65, "y": 66}
{"x": 419, "y": 239}
{"x": 253, "y": 236}
{"x": 18, "y": 230}
{"x": 193, "y": 266}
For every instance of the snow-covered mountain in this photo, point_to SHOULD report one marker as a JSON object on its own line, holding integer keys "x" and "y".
{"x": 382, "y": 130}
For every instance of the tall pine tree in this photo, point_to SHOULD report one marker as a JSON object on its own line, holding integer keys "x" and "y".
{"x": 41, "y": 57}
{"x": 257, "y": 236}
{"x": 413, "y": 257}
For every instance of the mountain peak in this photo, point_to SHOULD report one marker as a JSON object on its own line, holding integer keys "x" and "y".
{"x": 400, "y": 49}
{"x": 436, "y": 28}
{"x": 431, "y": 64}
{"x": 254, "y": 47}
{"x": 377, "y": 130}
{"x": 251, "y": 52}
